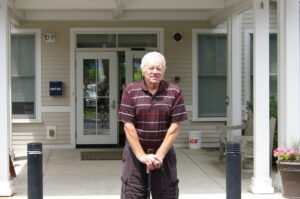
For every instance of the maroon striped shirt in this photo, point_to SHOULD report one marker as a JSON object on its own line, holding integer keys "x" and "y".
{"x": 152, "y": 115}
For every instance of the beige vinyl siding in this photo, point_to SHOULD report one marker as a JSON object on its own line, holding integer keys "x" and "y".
{"x": 56, "y": 61}
{"x": 179, "y": 63}
{"x": 56, "y": 66}
{"x": 25, "y": 133}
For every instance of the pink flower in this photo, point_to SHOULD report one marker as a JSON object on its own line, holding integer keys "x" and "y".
{"x": 285, "y": 154}
{"x": 291, "y": 152}
{"x": 279, "y": 151}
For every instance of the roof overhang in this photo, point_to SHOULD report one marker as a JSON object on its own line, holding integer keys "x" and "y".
{"x": 215, "y": 11}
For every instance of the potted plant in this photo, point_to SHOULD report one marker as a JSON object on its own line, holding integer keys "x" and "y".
{"x": 288, "y": 164}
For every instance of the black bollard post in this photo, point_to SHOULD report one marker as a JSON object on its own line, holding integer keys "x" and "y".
{"x": 233, "y": 170}
{"x": 35, "y": 170}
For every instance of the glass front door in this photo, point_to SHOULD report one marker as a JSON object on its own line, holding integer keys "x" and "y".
{"x": 96, "y": 97}
{"x": 133, "y": 61}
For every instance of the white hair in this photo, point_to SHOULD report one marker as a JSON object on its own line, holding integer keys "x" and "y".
{"x": 151, "y": 58}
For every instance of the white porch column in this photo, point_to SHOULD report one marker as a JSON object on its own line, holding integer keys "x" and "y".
{"x": 288, "y": 72}
{"x": 261, "y": 181}
{"x": 234, "y": 72}
{"x": 5, "y": 183}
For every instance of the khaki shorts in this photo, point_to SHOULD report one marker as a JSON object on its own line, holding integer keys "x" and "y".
{"x": 164, "y": 181}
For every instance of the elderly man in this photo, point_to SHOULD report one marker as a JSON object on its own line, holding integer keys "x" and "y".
{"x": 151, "y": 110}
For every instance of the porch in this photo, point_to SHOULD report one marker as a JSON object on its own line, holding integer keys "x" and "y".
{"x": 66, "y": 176}
{"x": 56, "y": 62}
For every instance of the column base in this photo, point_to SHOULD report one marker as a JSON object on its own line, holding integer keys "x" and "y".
{"x": 6, "y": 188}
{"x": 278, "y": 183}
{"x": 261, "y": 185}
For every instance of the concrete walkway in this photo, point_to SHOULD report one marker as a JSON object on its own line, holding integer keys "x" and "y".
{"x": 67, "y": 177}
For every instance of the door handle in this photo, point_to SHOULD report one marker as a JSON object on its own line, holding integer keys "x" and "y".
{"x": 227, "y": 100}
{"x": 113, "y": 105}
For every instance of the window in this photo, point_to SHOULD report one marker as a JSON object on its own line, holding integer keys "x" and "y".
{"x": 272, "y": 68}
{"x": 210, "y": 77}
{"x": 137, "y": 40}
{"x": 96, "y": 41}
{"x": 23, "y": 75}
{"x": 146, "y": 40}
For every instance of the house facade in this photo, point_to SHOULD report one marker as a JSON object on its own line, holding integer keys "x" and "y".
{"x": 65, "y": 63}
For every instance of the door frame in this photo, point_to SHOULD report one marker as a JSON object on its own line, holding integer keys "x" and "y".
{"x": 112, "y": 138}
{"x": 73, "y": 49}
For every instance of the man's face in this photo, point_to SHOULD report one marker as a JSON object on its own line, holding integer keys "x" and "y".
{"x": 154, "y": 73}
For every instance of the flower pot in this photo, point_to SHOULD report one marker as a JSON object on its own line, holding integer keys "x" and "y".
{"x": 290, "y": 178}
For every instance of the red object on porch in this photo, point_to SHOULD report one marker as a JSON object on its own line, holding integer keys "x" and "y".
{"x": 11, "y": 168}
{"x": 193, "y": 141}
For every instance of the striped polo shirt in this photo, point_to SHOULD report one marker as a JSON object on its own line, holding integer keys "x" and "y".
{"x": 152, "y": 115}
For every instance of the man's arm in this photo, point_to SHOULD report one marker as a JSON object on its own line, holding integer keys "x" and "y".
{"x": 170, "y": 138}
{"x": 178, "y": 115}
{"x": 133, "y": 140}
{"x": 152, "y": 161}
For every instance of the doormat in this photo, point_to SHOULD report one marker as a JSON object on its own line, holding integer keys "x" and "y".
{"x": 101, "y": 155}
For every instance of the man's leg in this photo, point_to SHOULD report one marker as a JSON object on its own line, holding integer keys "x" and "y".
{"x": 164, "y": 180}
{"x": 134, "y": 177}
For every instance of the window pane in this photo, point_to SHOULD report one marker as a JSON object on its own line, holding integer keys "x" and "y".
{"x": 89, "y": 78}
{"x": 103, "y": 78}
{"x": 23, "y": 54}
{"x": 23, "y": 75}
{"x": 96, "y": 41}
{"x": 206, "y": 54}
{"x": 23, "y": 110}
{"x": 212, "y": 67}
{"x": 221, "y": 55}
{"x": 273, "y": 53}
{"x": 23, "y": 96}
{"x": 137, "y": 40}
{"x": 137, "y": 72}
{"x": 273, "y": 86}
{"x": 211, "y": 96}
{"x": 103, "y": 111}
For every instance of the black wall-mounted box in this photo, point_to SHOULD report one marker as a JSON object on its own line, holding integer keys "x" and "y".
{"x": 55, "y": 88}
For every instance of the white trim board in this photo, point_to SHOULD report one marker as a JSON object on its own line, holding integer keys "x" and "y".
{"x": 57, "y": 109}
{"x": 111, "y": 5}
{"x": 72, "y": 87}
{"x": 96, "y": 15}
{"x": 189, "y": 107}
{"x": 108, "y": 49}
{"x": 23, "y": 121}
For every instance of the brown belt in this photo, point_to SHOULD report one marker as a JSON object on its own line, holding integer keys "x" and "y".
{"x": 151, "y": 151}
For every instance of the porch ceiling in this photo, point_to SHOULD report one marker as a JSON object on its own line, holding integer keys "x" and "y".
{"x": 22, "y": 10}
